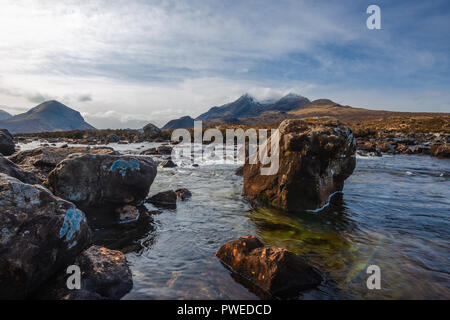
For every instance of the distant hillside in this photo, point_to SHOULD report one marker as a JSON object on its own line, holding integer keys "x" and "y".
{"x": 48, "y": 116}
{"x": 4, "y": 115}
{"x": 181, "y": 123}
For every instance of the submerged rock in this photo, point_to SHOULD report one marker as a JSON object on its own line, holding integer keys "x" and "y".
{"x": 11, "y": 169}
{"x": 267, "y": 270}
{"x": 42, "y": 160}
{"x": 7, "y": 145}
{"x": 164, "y": 199}
{"x": 183, "y": 194}
{"x": 39, "y": 234}
{"x": 105, "y": 275}
{"x": 168, "y": 164}
{"x": 315, "y": 157}
{"x": 98, "y": 180}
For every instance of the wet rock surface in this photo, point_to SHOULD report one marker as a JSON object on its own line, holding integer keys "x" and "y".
{"x": 39, "y": 234}
{"x": 7, "y": 145}
{"x": 315, "y": 157}
{"x": 267, "y": 270}
{"x": 102, "y": 179}
{"x": 105, "y": 275}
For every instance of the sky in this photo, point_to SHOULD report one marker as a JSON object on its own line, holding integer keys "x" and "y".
{"x": 123, "y": 64}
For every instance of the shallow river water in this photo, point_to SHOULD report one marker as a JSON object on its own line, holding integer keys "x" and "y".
{"x": 394, "y": 213}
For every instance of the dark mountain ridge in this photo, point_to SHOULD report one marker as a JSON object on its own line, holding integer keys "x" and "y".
{"x": 47, "y": 116}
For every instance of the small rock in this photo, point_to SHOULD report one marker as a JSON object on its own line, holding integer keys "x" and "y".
{"x": 168, "y": 164}
{"x": 164, "y": 199}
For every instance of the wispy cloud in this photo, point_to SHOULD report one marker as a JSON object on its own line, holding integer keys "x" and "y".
{"x": 165, "y": 59}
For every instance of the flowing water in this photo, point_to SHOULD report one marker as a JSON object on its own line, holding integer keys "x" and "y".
{"x": 394, "y": 213}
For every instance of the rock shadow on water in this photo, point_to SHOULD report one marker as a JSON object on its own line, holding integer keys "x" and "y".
{"x": 110, "y": 230}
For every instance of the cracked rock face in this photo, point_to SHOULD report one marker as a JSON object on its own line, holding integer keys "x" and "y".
{"x": 39, "y": 234}
{"x": 98, "y": 180}
{"x": 315, "y": 157}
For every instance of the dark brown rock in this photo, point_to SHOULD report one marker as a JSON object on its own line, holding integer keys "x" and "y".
{"x": 39, "y": 234}
{"x": 183, "y": 194}
{"x": 268, "y": 271}
{"x": 164, "y": 199}
{"x": 315, "y": 157}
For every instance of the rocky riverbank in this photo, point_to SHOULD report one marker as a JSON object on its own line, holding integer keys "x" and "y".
{"x": 80, "y": 205}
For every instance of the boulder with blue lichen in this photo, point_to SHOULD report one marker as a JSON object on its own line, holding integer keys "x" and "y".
{"x": 102, "y": 181}
{"x": 39, "y": 234}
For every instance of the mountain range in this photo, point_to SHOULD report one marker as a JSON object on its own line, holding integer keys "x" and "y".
{"x": 48, "y": 116}
{"x": 246, "y": 110}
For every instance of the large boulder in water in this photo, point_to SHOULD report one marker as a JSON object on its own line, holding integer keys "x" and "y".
{"x": 105, "y": 275}
{"x": 151, "y": 131}
{"x": 315, "y": 157}
{"x": 39, "y": 235}
{"x": 11, "y": 169}
{"x": 42, "y": 160}
{"x": 267, "y": 270}
{"x": 7, "y": 146}
{"x": 98, "y": 180}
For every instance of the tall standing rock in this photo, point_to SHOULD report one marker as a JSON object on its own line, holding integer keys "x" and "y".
{"x": 7, "y": 146}
{"x": 315, "y": 157}
{"x": 151, "y": 131}
{"x": 39, "y": 235}
{"x": 99, "y": 180}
